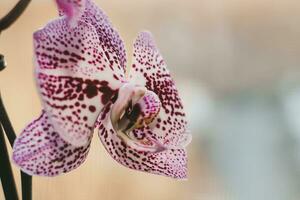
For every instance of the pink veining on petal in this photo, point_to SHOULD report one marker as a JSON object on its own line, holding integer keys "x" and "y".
{"x": 39, "y": 150}
{"x": 149, "y": 69}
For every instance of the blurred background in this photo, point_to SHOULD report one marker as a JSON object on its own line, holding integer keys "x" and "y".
{"x": 236, "y": 64}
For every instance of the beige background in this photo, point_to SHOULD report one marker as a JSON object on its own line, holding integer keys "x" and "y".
{"x": 214, "y": 48}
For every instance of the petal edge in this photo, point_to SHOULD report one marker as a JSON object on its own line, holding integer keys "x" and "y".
{"x": 39, "y": 150}
{"x": 150, "y": 70}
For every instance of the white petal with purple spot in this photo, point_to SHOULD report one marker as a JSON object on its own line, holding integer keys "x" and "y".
{"x": 39, "y": 150}
{"x": 149, "y": 70}
{"x": 74, "y": 77}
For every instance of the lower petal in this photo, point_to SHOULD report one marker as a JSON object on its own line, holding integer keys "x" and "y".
{"x": 39, "y": 150}
{"x": 169, "y": 162}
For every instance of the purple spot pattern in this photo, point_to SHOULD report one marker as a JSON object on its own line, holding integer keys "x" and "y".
{"x": 168, "y": 128}
{"x": 74, "y": 78}
{"x": 39, "y": 150}
{"x": 150, "y": 106}
{"x": 149, "y": 69}
{"x": 109, "y": 37}
{"x": 110, "y": 40}
{"x": 170, "y": 162}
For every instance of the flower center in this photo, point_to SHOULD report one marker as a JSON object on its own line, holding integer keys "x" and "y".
{"x": 136, "y": 107}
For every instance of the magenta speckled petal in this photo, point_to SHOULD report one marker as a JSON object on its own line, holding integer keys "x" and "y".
{"x": 149, "y": 69}
{"x": 73, "y": 9}
{"x": 170, "y": 162}
{"x": 110, "y": 40}
{"x": 39, "y": 150}
{"x": 74, "y": 77}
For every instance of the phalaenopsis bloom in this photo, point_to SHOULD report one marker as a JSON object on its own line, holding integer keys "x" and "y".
{"x": 84, "y": 83}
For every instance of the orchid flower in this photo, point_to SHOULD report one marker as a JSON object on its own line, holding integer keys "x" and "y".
{"x": 84, "y": 84}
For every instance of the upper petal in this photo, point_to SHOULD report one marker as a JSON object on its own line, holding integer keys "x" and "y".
{"x": 149, "y": 70}
{"x": 110, "y": 40}
{"x": 170, "y": 162}
{"x": 39, "y": 150}
{"x": 74, "y": 77}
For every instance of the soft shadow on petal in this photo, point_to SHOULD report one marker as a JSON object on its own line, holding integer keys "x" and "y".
{"x": 149, "y": 69}
{"x": 74, "y": 78}
{"x": 39, "y": 150}
{"x": 170, "y": 163}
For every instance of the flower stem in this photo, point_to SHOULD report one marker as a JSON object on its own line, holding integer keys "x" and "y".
{"x": 6, "y": 175}
{"x": 26, "y": 186}
{"x": 2, "y": 62}
{"x": 26, "y": 180}
{"x": 4, "y": 120}
{"x": 13, "y": 15}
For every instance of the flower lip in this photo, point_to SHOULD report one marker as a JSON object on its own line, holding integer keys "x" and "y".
{"x": 140, "y": 114}
{"x": 135, "y": 107}
{"x": 128, "y": 94}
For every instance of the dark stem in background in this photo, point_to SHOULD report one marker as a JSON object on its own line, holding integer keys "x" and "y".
{"x": 2, "y": 62}
{"x": 26, "y": 180}
{"x": 13, "y": 15}
{"x": 7, "y": 177}
{"x": 4, "y": 120}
